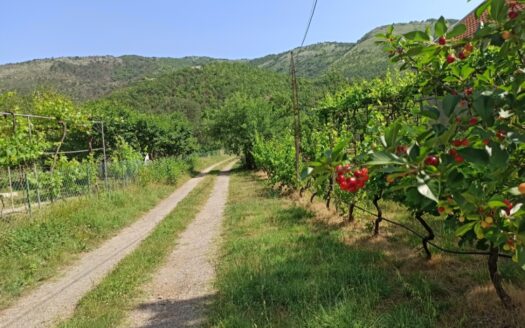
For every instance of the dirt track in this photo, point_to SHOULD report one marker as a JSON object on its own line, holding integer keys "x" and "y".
{"x": 180, "y": 290}
{"x": 56, "y": 299}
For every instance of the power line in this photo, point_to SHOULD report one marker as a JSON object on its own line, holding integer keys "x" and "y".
{"x": 309, "y": 23}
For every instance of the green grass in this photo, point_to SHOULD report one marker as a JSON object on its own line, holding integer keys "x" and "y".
{"x": 108, "y": 304}
{"x": 34, "y": 249}
{"x": 283, "y": 267}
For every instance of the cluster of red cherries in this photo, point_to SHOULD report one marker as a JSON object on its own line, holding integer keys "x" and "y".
{"x": 351, "y": 181}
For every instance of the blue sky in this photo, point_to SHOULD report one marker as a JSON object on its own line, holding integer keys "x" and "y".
{"x": 176, "y": 28}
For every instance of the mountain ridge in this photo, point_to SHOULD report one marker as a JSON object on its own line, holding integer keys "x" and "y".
{"x": 92, "y": 77}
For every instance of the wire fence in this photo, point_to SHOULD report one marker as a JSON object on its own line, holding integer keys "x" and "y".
{"x": 24, "y": 188}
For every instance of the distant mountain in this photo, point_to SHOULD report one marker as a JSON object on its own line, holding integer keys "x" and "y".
{"x": 366, "y": 59}
{"x": 85, "y": 78}
{"x": 88, "y": 78}
{"x": 311, "y": 61}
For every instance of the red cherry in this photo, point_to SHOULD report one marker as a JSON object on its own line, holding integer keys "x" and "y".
{"x": 451, "y": 58}
{"x": 458, "y": 159}
{"x": 453, "y": 152}
{"x": 432, "y": 160}
{"x": 339, "y": 168}
{"x": 465, "y": 142}
{"x": 469, "y": 47}
{"x": 364, "y": 171}
{"x": 473, "y": 121}
{"x": 501, "y": 135}
{"x": 457, "y": 143}
{"x": 360, "y": 183}
{"x": 352, "y": 184}
{"x": 462, "y": 55}
{"x": 442, "y": 41}
{"x": 469, "y": 91}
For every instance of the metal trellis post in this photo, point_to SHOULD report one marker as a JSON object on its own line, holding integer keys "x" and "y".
{"x": 105, "y": 157}
{"x": 27, "y": 194}
{"x": 11, "y": 188}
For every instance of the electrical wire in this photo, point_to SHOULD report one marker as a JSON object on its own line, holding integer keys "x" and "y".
{"x": 309, "y": 23}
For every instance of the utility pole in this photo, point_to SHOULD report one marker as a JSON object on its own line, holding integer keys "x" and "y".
{"x": 297, "y": 115}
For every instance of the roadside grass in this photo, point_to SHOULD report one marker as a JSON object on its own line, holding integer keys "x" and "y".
{"x": 34, "y": 249}
{"x": 109, "y": 303}
{"x": 286, "y": 263}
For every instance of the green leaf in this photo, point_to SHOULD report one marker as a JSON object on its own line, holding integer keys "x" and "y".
{"x": 449, "y": 104}
{"x": 417, "y": 36}
{"x": 430, "y": 112}
{"x": 391, "y": 134}
{"x": 498, "y": 10}
{"x": 340, "y": 146}
{"x": 440, "y": 28}
{"x": 424, "y": 190}
{"x": 496, "y": 204}
{"x": 315, "y": 164}
{"x": 384, "y": 158}
{"x": 484, "y": 107}
{"x": 482, "y": 8}
{"x": 464, "y": 229}
{"x": 499, "y": 157}
{"x": 457, "y": 30}
{"x": 478, "y": 156}
{"x": 466, "y": 71}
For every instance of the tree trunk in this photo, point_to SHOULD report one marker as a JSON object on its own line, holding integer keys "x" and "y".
{"x": 351, "y": 208}
{"x": 379, "y": 214}
{"x": 495, "y": 277}
{"x": 429, "y": 237}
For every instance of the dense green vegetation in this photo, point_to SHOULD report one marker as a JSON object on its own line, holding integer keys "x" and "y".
{"x": 446, "y": 144}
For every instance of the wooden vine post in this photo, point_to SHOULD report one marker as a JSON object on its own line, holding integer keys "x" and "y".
{"x": 297, "y": 115}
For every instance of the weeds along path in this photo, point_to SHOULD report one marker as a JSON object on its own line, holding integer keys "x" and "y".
{"x": 57, "y": 298}
{"x": 180, "y": 290}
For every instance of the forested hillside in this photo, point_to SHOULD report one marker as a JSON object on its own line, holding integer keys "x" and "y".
{"x": 367, "y": 59}
{"x": 312, "y": 61}
{"x": 88, "y": 78}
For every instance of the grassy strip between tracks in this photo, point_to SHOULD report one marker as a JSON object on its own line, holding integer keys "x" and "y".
{"x": 108, "y": 304}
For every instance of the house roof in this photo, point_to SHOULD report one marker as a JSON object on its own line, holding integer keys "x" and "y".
{"x": 473, "y": 23}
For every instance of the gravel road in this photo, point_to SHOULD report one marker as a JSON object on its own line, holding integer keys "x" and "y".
{"x": 180, "y": 290}
{"x": 56, "y": 299}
